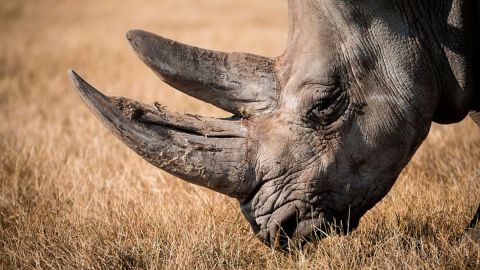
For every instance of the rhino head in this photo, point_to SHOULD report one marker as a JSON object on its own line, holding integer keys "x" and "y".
{"x": 319, "y": 134}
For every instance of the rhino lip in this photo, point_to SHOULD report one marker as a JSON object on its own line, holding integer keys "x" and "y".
{"x": 287, "y": 231}
{"x": 291, "y": 233}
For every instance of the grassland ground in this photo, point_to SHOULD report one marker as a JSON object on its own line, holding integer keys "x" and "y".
{"x": 73, "y": 197}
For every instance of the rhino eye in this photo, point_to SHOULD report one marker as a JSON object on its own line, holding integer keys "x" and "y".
{"x": 329, "y": 109}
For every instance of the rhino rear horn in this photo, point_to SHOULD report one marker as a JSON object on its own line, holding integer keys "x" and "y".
{"x": 243, "y": 84}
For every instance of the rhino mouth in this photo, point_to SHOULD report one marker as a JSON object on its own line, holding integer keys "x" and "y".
{"x": 290, "y": 227}
{"x": 293, "y": 234}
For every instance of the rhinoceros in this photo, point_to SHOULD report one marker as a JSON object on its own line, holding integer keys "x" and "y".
{"x": 319, "y": 134}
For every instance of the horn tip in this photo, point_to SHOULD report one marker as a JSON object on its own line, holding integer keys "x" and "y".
{"x": 71, "y": 73}
{"x": 135, "y": 36}
{"x": 146, "y": 44}
{"x": 76, "y": 79}
{"x": 133, "y": 33}
{"x": 84, "y": 89}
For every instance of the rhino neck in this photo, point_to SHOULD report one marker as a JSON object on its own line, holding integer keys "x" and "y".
{"x": 443, "y": 29}
{"x": 448, "y": 28}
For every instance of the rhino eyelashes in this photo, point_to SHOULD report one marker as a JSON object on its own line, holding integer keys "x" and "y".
{"x": 329, "y": 109}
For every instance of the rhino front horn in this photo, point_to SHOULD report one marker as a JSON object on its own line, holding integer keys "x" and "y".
{"x": 205, "y": 151}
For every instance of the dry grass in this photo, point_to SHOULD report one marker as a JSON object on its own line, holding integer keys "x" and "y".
{"x": 73, "y": 197}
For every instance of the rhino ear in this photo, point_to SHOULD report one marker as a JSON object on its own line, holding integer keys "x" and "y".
{"x": 243, "y": 84}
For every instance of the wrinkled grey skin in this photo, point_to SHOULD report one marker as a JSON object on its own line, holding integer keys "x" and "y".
{"x": 319, "y": 134}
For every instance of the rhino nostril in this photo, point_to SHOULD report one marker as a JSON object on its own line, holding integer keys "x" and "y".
{"x": 286, "y": 232}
